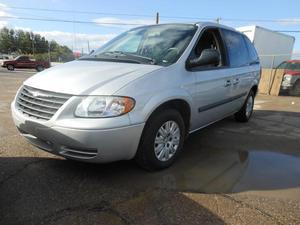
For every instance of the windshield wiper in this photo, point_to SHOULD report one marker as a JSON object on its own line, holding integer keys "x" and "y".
{"x": 110, "y": 59}
{"x": 121, "y": 53}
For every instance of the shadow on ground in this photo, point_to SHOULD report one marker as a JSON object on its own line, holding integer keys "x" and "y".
{"x": 226, "y": 157}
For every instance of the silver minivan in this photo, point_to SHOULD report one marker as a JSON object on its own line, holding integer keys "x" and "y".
{"x": 140, "y": 95}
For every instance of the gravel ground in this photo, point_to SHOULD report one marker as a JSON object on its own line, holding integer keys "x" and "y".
{"x": 228, "y": 173}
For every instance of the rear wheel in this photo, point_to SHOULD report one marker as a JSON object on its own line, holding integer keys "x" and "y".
{"x": 161, "y": 141}
{"x": 246, "y": 111}
{"x": 10, "y": 67}
{"x": 39, "y": 68}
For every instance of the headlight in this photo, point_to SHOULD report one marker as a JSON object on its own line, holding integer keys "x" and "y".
{"x": 287, "y": 77}
{"x": 104, "y": 106}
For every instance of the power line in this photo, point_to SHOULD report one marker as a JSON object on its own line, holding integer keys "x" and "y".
{"x": 101, "y": 23}
{"x": 75, "y": 11}
{"x": 288, "y": 31}
{"x": 147, "y": 15}
{"x": 71, "y": 21}
{"x": 103, "y": 13}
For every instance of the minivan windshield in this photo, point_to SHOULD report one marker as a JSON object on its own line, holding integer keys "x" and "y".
{"x": 156, "y": 44}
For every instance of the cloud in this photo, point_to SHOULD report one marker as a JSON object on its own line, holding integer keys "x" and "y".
{"x": 22, "y": 28}
{"x": 79, "y": 41}
{"x": 291, "y": 21}
{"x": 125, "y": 23}
{"x": 4, "y": 13}
{"x": 75, "y": 41}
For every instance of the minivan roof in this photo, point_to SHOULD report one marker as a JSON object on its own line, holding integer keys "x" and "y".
{"x": 200, "y": 24}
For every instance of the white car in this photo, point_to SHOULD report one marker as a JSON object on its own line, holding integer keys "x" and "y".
{"x": 3, "y": 58}
{"x": 141, "y": 94}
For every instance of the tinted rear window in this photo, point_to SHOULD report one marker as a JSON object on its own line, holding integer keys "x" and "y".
{"x": 237, "y": 49}
{"x": 253, "y": 57}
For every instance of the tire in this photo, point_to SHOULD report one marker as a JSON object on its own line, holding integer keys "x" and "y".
{"x": 246, "y": 111}
{"x": 10, "y": 67}
{"x": 39, "y": 68}
{"x": 295, "y": 91}
{"x": 150, "y": 154}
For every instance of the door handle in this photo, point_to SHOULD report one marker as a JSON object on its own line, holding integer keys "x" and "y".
{"x": 227, "y": 83}
{"x": 236, "y": 81}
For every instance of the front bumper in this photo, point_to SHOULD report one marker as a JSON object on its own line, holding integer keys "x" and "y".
{"x": 91, "y": 145}
{"x": 286, "y": 87}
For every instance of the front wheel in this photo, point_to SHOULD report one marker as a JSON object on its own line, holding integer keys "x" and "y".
{"x": 295, "y": 91}
{"x": 161, "y": 141}
{"x": 246, "y": 111}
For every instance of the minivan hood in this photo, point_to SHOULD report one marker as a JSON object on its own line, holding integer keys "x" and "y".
{"x": 88, "y": 77}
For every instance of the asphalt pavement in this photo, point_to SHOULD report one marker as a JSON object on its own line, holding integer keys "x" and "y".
{"x": 228, "y": 173}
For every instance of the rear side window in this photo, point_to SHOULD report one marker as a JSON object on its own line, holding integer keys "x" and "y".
{"x": 253, "y": 57}
{"x": 236, "y": 48}
{"x": 23, "y": 58}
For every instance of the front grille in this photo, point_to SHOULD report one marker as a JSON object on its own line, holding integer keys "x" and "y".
{"x": 39, "y": 104}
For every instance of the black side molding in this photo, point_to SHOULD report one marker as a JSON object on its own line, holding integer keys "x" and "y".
{"x": 222, "y": 102}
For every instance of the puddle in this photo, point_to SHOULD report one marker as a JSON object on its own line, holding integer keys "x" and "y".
{"x": 267, "y": 171}
{"x": 231, "y": 172}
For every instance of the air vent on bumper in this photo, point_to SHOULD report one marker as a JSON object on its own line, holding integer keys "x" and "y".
{"x": 78, "y": 153}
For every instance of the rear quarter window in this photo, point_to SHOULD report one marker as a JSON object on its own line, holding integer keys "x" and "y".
{"x": 253, "y": 57}
{"x": 236, "y": 48}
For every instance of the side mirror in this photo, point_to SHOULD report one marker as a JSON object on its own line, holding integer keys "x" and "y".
{"x": 207, "y": 57}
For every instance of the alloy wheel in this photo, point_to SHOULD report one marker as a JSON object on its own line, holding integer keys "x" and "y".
{"x": 167, "y": 140}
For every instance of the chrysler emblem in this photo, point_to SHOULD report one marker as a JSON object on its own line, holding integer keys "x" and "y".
{"x": 37, "y": 94}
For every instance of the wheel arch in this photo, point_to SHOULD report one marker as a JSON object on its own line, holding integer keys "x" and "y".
{"x": 255, "y": 89}
{"x": 180, "y": 104}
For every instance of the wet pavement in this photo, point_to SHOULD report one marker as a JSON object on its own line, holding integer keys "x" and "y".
{"x": 228, "y": 173}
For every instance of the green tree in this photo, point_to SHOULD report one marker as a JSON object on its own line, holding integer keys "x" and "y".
{"x": 5, "y": 40}
{"x": 24, "y": 42}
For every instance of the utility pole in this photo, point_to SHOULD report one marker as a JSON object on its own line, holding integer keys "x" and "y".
{"x": 49, "y": 53}
{"x": 32, "y": 42}
{"x": 88, "y": 42}
{"x": 157, "y": 18}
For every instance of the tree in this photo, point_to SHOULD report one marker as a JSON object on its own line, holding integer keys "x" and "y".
{"x": 28, "y": 43}
{"x": 5, "y": 40}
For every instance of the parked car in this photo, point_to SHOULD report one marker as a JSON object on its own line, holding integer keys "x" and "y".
{"x": 3, "y": 58}
{"x": 25, "y": 62}
{"x": 291, "y": 78}
{"x": 141, "y": 94}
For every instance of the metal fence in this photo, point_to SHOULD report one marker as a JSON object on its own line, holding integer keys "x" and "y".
{"x": 269, "y": 61}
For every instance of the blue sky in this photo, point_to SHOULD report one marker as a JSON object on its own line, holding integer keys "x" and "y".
{"x": 77, "y": 35}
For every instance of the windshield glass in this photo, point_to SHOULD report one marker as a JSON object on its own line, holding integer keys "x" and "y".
{"x": 294, "y": 66}
{"x": 158, "y": 44}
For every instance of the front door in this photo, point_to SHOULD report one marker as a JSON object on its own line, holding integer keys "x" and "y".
{"x": 24, "y": 62}
{"x": 213, "y": 82}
